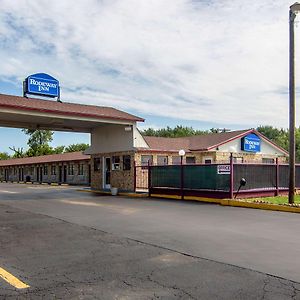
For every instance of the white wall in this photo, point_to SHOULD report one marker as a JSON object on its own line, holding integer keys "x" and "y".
{"x": 111, "y": 138}
{"x": 265, "y": 148}
{"x": 138, "y": 139}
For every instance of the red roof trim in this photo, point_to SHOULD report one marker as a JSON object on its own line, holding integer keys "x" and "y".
{"x": 244, "y": 134}
{"x": 231, "y": 139}
{"x": 70, "y": 113}
{"x": 45, "y": 159}
{"x": 270, "y": 142}
{"x": 44, "y": 163}
{"x": 160, "y": 151}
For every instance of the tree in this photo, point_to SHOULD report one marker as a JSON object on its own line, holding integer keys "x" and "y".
{"x": 58, "y": 150}
{"x": 4, "y": 155}
{"x": 18, "y": 152}
{"x": 178, "y": 131}
{"x": 76, "y": 147}
{"x": 278, "y": 136}
{"x": 281, "y": 137}
{"x": 38, "y": 142}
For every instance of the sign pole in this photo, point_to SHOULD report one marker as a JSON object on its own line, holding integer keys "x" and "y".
{"x": 231, "y": 176}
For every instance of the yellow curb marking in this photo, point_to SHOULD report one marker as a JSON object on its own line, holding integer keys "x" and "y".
{"x": 224, "y": 202}
{"x": 12, "y": 280}
{"x": 235, "y": 203}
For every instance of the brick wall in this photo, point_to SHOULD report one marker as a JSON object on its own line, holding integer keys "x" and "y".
{"x": 31, "y": 171}
{"x": 216, "y": 156}
{"x": 199, "y": 156}
{"x": 121, "y": 179}
{"x": 248, "y": 157}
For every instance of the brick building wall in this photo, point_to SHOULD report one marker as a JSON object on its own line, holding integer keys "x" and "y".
{"x": 77, "y": 172}
{"x": 120, "y": 177}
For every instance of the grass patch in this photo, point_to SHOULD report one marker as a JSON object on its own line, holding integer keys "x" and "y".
{"x": 277, "y": 200}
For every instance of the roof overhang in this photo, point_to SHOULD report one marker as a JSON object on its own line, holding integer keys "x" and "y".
{"x": 36, "y": 120}
{"x": 31, "y": 116}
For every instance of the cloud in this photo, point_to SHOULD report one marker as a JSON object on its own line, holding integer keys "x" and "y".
{"x": 219, "y": 61}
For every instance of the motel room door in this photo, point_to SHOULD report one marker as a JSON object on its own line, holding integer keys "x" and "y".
{"x": 62, "y": 174}
{"x": 21, "y": 174}
{"x": 39, "y": 174}
{"x": 65, "y": 174}
{"x": 106, "y": 172}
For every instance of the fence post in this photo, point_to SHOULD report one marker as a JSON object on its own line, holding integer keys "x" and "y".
{"x": 231, "y": 177}
{"x": 277, "y": 177}
{"x": 181, "y": 180}
{"x": 149, "y": 178}
{"x": 134, "y": 174}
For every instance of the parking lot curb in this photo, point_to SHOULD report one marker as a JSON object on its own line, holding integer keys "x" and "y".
{"x": 129, "y": 194}
{"x": 191, "y": 198}
{"x": 223, "y": 202}
{"x": 235, "y": 203}
{"x": 264, "y": 206}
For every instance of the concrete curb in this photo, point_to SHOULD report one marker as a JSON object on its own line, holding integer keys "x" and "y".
{"x": 264, "y": 206}
{"x": 236, "y": 203}
{"x": 129, "y": 194}
{"x": 224, "y": 202}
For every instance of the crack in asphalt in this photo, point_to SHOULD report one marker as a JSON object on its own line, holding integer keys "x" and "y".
{"x": 287, "y": 287}
{"x": 169, "y": 287}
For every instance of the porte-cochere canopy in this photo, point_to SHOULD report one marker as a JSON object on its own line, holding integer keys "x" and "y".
{"x": 32, "y": 113}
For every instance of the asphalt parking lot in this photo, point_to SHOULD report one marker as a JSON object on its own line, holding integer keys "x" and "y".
{"x": 66, "y": 244}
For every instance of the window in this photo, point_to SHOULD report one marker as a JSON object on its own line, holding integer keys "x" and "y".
{"x": 238, "y": 159}
{"x": 126, "y": 162}
{"x": 70, "y": 169}
{"x": 116, "y": 163}
{"x": 207, "y": 160}
{"x": 31, "y": 170}
{"x": 176, "y": 160}
{"x": 80, "y": 169}
{"x": 268, "y": 160}
{"x": 190, "y": 160}
{"x": 45, "y": 170}
{"x": 53, "y": 170}
{"x": 15, "y": 171}
{"x": 162, "y": 160}
{"x": 97, "y": 164}
{"x": 146, "y": 160}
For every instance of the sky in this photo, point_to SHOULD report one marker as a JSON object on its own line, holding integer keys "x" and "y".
{"x": 173, "y": 62}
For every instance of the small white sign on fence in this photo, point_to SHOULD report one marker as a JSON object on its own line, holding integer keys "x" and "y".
{"x": 223, "y": 169}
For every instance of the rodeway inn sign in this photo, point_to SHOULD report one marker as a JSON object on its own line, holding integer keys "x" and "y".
{"x": 41, "y": 84}
{"x": 251, "y": 143}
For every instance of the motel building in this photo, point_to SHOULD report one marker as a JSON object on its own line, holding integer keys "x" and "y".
{"x": 119, "y": 155}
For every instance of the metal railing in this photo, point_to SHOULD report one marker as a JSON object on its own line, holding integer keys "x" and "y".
{"x": 215, "y": 180}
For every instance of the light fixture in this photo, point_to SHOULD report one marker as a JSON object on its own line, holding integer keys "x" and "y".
{"x": 295, "y": 8}
{"x": 181, "y": 152}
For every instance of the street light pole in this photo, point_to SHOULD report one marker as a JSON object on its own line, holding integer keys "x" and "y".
{"x": 294, "y": 9}
{"x": 182, "y": 154}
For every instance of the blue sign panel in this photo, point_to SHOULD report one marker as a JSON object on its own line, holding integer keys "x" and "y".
{"x": 251, "y": 143}
{"x": 42, "y": 84}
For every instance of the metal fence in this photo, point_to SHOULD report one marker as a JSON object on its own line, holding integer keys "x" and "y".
{"x": 258, "y": 176}
{"x": 141, "y": 179}
{"x": 219, "y": 180}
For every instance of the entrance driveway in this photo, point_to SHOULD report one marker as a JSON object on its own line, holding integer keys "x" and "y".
{"x": 259, "y": 240}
